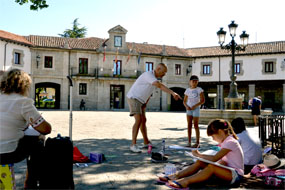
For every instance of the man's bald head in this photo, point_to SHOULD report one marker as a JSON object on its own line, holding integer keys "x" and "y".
{"x": 160, "y": 70}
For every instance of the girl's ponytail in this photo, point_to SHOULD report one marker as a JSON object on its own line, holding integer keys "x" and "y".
{"x": 222, "y": 124}
{"x": 231, "y": 130}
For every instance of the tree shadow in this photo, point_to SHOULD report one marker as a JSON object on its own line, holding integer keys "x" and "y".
{"x": 120, "y": 162}
{"x": 173, "y": 129}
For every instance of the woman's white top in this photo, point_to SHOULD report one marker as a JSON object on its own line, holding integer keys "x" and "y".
{"x": 17, "y": 112}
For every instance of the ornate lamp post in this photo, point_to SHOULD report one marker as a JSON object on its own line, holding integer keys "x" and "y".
{"x": 233, "y": 47}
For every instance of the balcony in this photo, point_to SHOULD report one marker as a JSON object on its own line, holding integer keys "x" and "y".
{"x": 74, "y": 72}
{"x": 105, "y": 73}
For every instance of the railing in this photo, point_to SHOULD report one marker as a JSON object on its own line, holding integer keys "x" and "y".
{"x": 75, "y": 72}
{"x": 272, "y": 133}
{"x": 124, "y": 73}
{"x": 107, "y": 73}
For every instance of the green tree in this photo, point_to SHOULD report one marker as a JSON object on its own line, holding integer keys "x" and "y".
{"x": 36, "y": 4}
{"x": 75, "y": 32}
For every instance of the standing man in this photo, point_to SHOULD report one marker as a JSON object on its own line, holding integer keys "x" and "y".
{"x": 138, "y": 97}
{"x": 255, "y": 108}
{"x": 82, "y": 104}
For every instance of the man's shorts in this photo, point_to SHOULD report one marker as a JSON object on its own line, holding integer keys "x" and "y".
{"x": 135, "y": 106}
{"x": 194, "y": 113}
{"x": 255, "y": 111}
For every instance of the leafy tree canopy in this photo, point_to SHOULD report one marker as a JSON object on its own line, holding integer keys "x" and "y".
{"x": 36, "y": 4}
{"x": 75, "y": 32}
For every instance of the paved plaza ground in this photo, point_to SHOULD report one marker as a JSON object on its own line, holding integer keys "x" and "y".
{"x": 109, "y": 132}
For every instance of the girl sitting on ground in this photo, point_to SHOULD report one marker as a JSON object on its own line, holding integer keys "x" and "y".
{"x": 230, "y": 155}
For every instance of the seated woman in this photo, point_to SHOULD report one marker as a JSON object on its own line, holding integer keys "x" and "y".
{"x": 230, "y": 155}
{"x": 17, "y": 113}
{"x": 251, "y": 146}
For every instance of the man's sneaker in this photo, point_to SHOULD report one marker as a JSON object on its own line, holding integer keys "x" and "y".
{"x": 135, "y": 149}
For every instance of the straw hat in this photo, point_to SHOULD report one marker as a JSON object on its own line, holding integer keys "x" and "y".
{"x": 273, "y": 162}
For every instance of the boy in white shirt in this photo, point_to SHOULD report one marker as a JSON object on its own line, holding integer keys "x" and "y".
{"x": 193, "y": 99}
{"x": 251, "y": 146}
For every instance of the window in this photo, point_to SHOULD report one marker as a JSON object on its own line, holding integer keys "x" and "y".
{"x": 237, "y": 68}
{"x": 268, "y": 67}
{"x": 117, "y": 67}
{"x": 206, "y": 69}
{"x": 118, "y": 41}
{"x": 17, "y": 59}
{"x": 82, "y": 89}
{"x": 48, "y": 62}
{"x": 148, "y": 66}
{"x": 177, "y": 69}
{"x": 83, "y": 66}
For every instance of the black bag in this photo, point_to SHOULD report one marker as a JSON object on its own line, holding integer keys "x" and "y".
{"x": 157, "y": 157}
{"x": 58, "y": 164}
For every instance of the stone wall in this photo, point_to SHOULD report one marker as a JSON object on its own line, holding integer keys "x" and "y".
{"x": 207, "y": 115}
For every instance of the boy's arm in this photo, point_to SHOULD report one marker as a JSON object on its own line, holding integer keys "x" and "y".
{"x": 185, "y": 104}
{"x": 202, "y": 101}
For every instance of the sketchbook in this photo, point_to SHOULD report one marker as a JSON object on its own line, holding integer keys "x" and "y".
{"x": 178, "y": 147}
{"x": 208, "y": 161}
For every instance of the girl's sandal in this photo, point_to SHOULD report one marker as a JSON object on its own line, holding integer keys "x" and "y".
{"x": 188, "y": 145}
{"x": 162, "y": 178}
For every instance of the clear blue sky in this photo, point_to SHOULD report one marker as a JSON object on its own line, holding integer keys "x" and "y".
{"x": 182, "y": 23}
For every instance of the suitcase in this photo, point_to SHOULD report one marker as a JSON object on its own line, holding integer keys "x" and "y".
{"x": 58, "y": 164}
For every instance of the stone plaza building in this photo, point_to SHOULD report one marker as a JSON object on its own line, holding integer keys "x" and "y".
{"x": 103, "y": 70}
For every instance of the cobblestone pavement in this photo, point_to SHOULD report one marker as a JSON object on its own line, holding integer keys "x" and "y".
{"x": 109, "y": 132}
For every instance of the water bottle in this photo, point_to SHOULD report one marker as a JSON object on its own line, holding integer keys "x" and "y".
{"x": 163, "y": 147}
{"x": 169, "y": 169}
{"x": 149, "y": 149}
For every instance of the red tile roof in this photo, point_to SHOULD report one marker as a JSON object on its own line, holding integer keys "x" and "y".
{"x": 7, "y": 36}
{"x": 158, "y": 49}
{"x": 256, "y": 48}
{"x": 94, "y": 43}
{"x": 60, "y": 42}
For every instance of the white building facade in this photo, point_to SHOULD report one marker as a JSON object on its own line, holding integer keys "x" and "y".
{"x": 103, "y": 71}
{"x": 260, "y": 71}
{"x": 14, "y": 52}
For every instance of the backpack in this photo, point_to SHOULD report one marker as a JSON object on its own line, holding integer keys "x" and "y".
{"x": 275, "y": 178}
{"x": 58, "y": 164}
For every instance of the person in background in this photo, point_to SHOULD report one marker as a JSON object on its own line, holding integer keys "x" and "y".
{"x": 249, "y": 103}
{"x": 17, "y": 115}
{"x": 251, "y": 146}
{"x": 82, "y": 105}
{"x": 255, "y": 108}
{"x": 230, "y": 155}
{"x": 138, "y": 97}
{"x": 193, "y": 99}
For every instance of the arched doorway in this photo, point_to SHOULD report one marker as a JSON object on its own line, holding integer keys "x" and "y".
{"x": 117, "y": 96}
{"x": 47, "y": 95}
{"x": 177, "y": 105}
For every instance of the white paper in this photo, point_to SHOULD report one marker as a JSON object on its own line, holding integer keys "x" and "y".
{"x": 30, "y": 131}
{"x": 177, "y": 147}
{"x": 208, "y": 161}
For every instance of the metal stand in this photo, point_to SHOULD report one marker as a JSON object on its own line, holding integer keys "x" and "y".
{"x": 70, "y": 107}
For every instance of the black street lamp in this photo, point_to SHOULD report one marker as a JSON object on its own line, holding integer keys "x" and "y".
{"x": 233, "y": 46}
